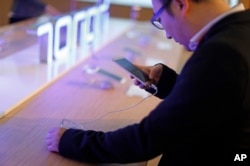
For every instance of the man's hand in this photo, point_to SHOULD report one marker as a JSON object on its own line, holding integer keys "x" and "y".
{"x": 53, "y": 138}
{"x": 153, "y": 72}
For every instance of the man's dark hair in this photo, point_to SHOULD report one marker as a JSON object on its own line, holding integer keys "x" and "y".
{"x": 169, "y": 2}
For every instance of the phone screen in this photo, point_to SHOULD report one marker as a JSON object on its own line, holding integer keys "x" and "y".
{"x": 132, "y": 69}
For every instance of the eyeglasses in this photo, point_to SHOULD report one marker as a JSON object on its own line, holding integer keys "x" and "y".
{"x": 155, "y": 19}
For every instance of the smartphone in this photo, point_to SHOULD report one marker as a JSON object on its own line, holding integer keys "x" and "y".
{"x": 132, "y": 69}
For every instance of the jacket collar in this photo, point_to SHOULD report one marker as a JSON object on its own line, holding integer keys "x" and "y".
{"x": 194, "y": 42}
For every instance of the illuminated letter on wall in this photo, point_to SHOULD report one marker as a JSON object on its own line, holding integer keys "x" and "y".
{"x": 45, "y": 35}
{"x": 104, "y": 16}
{"x": 79, "y": 30}
{"x": 93, "y": 27}
{"x": 62, "y": 43}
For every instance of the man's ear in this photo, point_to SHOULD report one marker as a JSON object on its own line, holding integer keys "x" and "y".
{"x": 182, "y": 5}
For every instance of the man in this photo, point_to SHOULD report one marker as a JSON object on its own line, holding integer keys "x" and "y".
{"x": 204, "y": 117}
{"x": 26, "y": 9}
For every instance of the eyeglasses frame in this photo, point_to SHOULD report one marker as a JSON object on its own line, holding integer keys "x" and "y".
{"x": 154, "y": 20}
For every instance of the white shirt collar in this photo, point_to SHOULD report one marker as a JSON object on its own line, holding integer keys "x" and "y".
{"x": 198, "y": 36}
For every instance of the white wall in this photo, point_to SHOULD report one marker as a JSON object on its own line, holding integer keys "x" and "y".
{"x": 233, "y": 2}
{"x": 145, "y": 3}
{"x": 142, "y": 3}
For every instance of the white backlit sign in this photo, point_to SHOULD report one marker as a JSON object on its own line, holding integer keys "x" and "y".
{"x": 84, "y": 27}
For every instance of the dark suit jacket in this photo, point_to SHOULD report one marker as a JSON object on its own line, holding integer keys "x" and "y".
{"x": 204, "y": 117}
